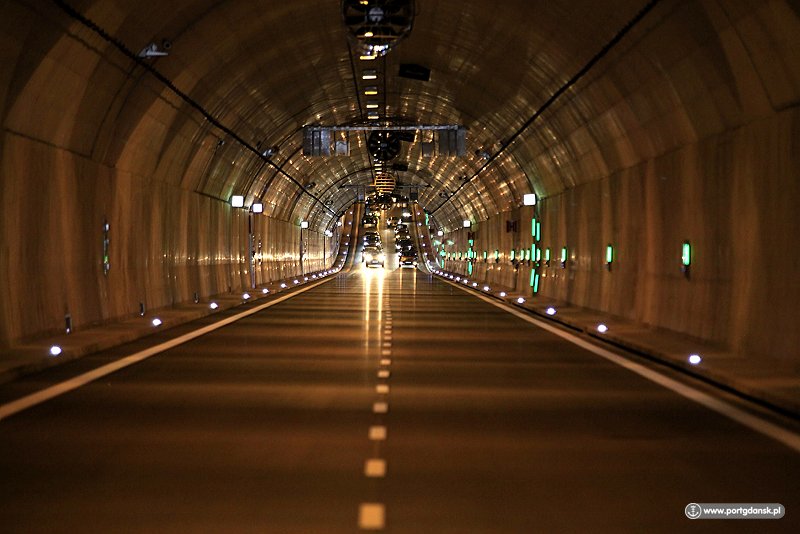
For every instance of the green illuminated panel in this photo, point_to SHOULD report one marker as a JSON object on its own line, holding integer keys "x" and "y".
{"x": 609, "y": 254}
{"x": 686, "y": 256}
{"x": 512, "y": 254}
{"x": 496, "y": 254}
{"x": 472, "y": 242}
{"x": 538, "y": 254}
{"x": 533, "y": 227}
{"x": 536, "y": 283}
{"x": 538, "y": 231}
{"x": 485, "y": 254}
{"x": 547, "y": 254}
{"x": 527, "y": 254}
{"x": 564, "y": 254}
{"x": 469, "y": 268}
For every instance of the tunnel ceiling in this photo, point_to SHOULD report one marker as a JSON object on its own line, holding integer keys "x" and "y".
{"x": 264, "y": 69}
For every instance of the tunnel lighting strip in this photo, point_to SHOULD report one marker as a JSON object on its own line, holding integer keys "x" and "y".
{"x": 555, "y": 96}
{"x": 119, "y": 45}
{"x": 29, "y": 401}
{"x": 780, "y": 434}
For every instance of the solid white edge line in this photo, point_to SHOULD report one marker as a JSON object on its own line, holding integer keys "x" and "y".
{"x": 14, "y": 407}
{"x": 778, "y": 433}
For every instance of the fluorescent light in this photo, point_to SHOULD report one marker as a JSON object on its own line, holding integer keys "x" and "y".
{"x": 695, "y": 359}
{"x": 529, "y": 199}
{"x": 283, "y": 286}
{"x": 258, "y": 207}
{"x": 156, "y": 322}
{"x": 602, "y": 328}
{"x": 303, "y": 224}
{"x": 502, "y": 293}
{"x": 237, "y": 201}
{"x": 213, "y": 305}
{"x": 369, "y": 75}
{"x": 246, "y": 296}
{"x": 467, "y": 223}
{"x": 265, "y": 291}
{"x": 372, "y": 105}
{"x": 55, "y": 350}
{"x": 520, "y": 300}
{"x": 550, "y": 311}
{"x": 440, "y": 233}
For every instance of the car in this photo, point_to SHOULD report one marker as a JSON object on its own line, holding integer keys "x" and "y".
{"x": 391, "y": 222}
{"x": 369, "y": 221}
{"x": 372, "y": 238}
{"x": 400, "y": 227}
{"x": 373, "y": 256}
{"x": 408, "y": 259}
{"x": 404, "y": 244}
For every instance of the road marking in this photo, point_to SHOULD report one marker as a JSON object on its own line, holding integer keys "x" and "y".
{"x": 380, "y": 407}
{"x": 371, "y": 516}
{"x": 787, "y": 437}
{"x": 375, "y": 468}
{"x": 14, "y": 407}
{"x": 387, "y": 343}
{"x": 382, "y": 389}
{"x": 386, "y": 352}
{"x": 377, "y": 433}
{"x": 383, "y": 373}
{"x": 387, "y": 338}
{"x": 386, "y": 362}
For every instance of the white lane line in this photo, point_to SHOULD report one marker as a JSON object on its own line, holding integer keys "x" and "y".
{"x": 787, "y": 437}
{"x": 375, "y": 468}
{"x": 371, "y": 516}
{"x": 387, "y": 343}
{"x": 380, "y": 407}
{"x": 387, "y": 338}
{"x": 383, "y": 373}
{"x": 386, "y": 362}
{"x": 377, "y": 433}
{"x": 386, "y": 352}
{"x": 382, "y": 389}
{"x": 14, "y": 407}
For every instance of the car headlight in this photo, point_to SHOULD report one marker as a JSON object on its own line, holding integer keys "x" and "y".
{"x": 368, "y": 257}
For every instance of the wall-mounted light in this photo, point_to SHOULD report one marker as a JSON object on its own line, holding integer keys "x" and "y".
{"x": 564, "y": 257}
{"x": 609, "y": 256}
{"x": 602, "y": 328}
{"x": 529, "y": 199}
{"x": 303, "y": 224}
{"x": 440, "y": 233}
{"x": 258, "y": 207}
{"x": 328, "y": 233}
{"x": 695, "y": 359}
{"x": 237, "y": 201}
{"x": 246, "y": 296}
{"x": 467, "y": 223}
{"x": 264, "y": 291}
{"x": 55, "y": 350}
{"x": 520, "y": 300}
{"x": 213, "y": 305}
{"x": 486, "y": 288}
{"x": 369, "y": 75}
{"x": 547, "y": 257}
{"x": 156, "y": 322}
{"x": 550, "y": 311}
{"x": 686, "y": 257}
{"x": 502, "y": 293}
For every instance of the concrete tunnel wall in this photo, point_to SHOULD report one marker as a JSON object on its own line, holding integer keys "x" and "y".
{"x": 706, "y": 150}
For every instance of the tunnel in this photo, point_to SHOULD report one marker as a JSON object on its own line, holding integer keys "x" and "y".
{"x": 597, "y": 330}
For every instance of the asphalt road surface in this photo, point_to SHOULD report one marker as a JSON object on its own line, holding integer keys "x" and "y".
{"x": 380, "y": 400}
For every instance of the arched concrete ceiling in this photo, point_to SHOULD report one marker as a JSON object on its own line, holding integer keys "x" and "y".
{"x": 263, "y": 69}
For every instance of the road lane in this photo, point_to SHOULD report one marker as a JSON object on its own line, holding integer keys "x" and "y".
{"x": 487, "y": 424}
